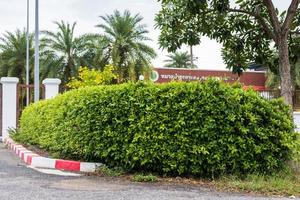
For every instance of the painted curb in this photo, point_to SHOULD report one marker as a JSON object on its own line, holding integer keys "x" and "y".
{"x": 34, "y": 160}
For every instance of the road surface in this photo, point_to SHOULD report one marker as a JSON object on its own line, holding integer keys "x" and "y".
{"x": 18, "y": 182}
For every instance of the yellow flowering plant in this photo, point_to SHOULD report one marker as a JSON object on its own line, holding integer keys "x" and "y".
{"x": 91, "y": 77}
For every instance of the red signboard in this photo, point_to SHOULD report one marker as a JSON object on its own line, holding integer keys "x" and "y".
{"x": 255, "y": 79}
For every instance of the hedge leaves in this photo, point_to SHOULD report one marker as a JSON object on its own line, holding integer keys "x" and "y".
{"x": 202, "y": 129}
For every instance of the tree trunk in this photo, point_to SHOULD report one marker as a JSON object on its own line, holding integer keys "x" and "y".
{"x": 67, "y": 73}
{"x": 192, "y": 57}
{"x": 285, "y": 70}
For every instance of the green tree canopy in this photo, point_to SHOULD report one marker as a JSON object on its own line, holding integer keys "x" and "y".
{"x": 13, "y": 57}
{"x": 126, "y": 35}
{"x": 250, "y": 31}
{"x": 13, "y": 54}
{"x": 66, "y": 47}
{"x": 179, "y": 60}
{"x": 97, "y": 54}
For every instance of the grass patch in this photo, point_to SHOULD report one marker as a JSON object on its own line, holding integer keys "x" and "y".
{"x": 269, "y": 185}
{"x": 286, "y": 183}
{"x": 111, "y": 172}
{"x": 283, "y": 184}
{"x": 144, "y": 178}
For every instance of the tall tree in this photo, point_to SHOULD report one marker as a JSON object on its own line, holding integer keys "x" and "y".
{"x": 250, "y": 31}
{"x": 13, "y": 54}
{"x": 126, "y": 35}
{"x": 68, "y": 48}
{"x": 273, "y": 78}
{"x": 13, "y": 57}
{"x": 179, "y": 60}
{"x": 97, "y": 55}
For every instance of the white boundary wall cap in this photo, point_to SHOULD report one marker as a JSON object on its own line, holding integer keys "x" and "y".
{"x": 51, "y": 87}
{"x": 9, "y": 80}
{"x": 54, "y": 81}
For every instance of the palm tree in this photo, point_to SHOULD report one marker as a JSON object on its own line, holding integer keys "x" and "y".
{"x": 126, "y": 36}
{"x": 97, "y": 54}
{"x": 13, "y": 57}
{"x": 13, "y": 60}
{"x": 13, "y": 54}
{"x": 66, "y": 47}
{"x": 179, "y": 60}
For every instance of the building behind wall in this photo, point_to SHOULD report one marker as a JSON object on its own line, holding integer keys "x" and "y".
{"x": 255, "y": 79}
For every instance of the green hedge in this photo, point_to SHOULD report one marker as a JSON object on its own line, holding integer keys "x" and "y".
{"x": 205, "y": 129}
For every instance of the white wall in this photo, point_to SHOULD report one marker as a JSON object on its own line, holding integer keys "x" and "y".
{"x": 9, "y": 105}
{"x": 297, "y": 121}
{"x": 9, "y": 101}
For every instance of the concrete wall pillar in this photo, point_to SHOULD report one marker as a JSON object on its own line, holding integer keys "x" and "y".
{"x": 9, "y": 105}
{"x": 297, "y": 121}
{"x": 51, "y": 87}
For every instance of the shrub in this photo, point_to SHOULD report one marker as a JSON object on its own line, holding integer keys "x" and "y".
{"x": 106, "y": 171}
{"x": 144, "y": 178}
{"x": 87, "y": 77}
{"x": 206, "y": 129}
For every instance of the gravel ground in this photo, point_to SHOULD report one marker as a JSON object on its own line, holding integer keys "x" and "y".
{"x": 18, "y": 182}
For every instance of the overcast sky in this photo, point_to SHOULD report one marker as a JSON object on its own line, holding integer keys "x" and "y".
{"x": 86, "y": 13}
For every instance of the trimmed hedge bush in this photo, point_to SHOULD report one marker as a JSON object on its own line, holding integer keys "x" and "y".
{"x": 202, "y": 129}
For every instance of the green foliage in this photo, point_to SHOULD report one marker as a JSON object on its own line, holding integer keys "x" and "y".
{"x": 12, "y": 132}
{"x": 273, "y": 78}
{"x": 62, "y": 51}
{"x": 87, "y": 77}
{"x": 206, "y": 129}
{"x": 280, "y": 184}
{"x": 68, "y": 49}
{"x": 179, "y": 60}
{"x": 126, "y": 35}
{"x": 244, "y": 27}
{"x": 13, "y": 56}
{"x": 296, "y": 153}
{"x": 106, "y": 171}
{"x": 97, "y": 54}
{"x": 144, "y": 178}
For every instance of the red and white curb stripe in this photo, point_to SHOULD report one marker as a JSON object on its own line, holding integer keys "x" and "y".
{"x": 36, "y": 161}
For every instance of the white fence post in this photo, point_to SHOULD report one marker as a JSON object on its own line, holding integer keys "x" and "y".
{"x": 51, "y": 87}
{"x": 9, "y": 105}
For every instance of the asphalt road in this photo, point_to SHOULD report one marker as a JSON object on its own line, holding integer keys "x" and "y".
{"x": 18, "y": 182}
